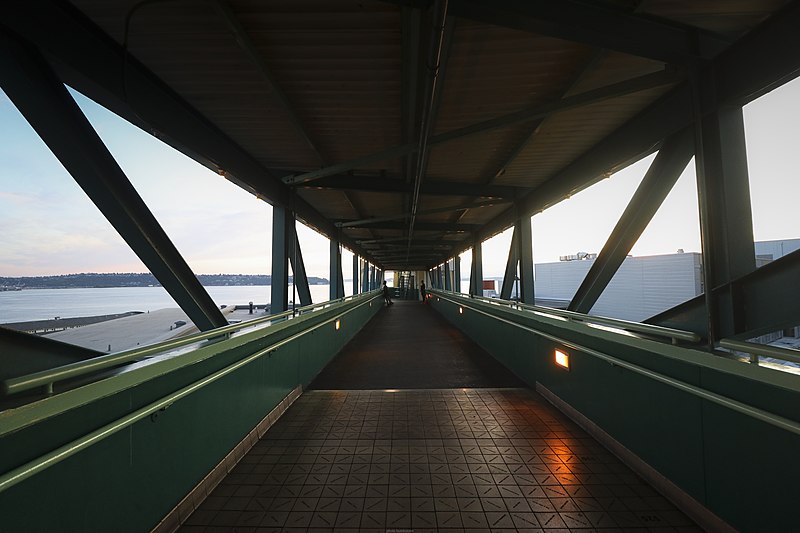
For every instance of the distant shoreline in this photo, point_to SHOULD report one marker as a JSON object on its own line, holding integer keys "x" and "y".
{"x": 122, "y": 280}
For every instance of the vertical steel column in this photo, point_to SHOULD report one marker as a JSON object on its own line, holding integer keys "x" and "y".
{"x": 299, "y": 277}
{"x": 340, "y": 278}
{"x": 335, "y": 270}
{"x": 659, "y": 180}
{"x": 726, "y": 220}
{"x": 365, "y": 277}
{"x": 355, "y": 274}
{"x": 510, "y": 275}
{"x": 526, "y": 268}
{"x": 457, "y": 273}
{"x": 476, "y": 270}
{"x": 448, "y": 284}
{"x": 281, "y": 220}
{"x": 41, "y": 97}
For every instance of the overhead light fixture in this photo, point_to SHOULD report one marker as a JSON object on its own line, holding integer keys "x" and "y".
{"x": 562, "y": 359}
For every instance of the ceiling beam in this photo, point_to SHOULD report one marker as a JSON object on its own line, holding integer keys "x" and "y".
{"x": 764, "y": 59}
{"x": 439, "y": 52}
{"x": 615, "y": 90}
{"x": 417, "y": 246}
{"x": 597, "y": 25}
{"x": 410, "y": 34}
{"x": 422, "y": 242}
{"x": 421, "y": 226}
{"x": 403, "y": 216}
{"x": 432, "y": 188}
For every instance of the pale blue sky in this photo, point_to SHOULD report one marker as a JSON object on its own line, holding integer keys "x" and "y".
{"x": 49, "y": 226}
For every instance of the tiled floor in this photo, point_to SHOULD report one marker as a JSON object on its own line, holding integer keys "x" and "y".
{"x": 410, "y": 346}
{"x": 431, "y": 460}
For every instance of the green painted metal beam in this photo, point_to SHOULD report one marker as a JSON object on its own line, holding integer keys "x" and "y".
{"x": 526, "y": 268}
{"x": 766, "y": 58}
{"x": 726, "y": 220}
{"x": 335, "y": 271}
{"x": 665, "y": 170}
{"x": 457, "y": 273}
{"x": 282, "y": 224}
{"x": 41, "y": 97}
{"x": 365, "y": 276}
{"x": 355, "y": 273}
{"x": 767, "y": 306}
{"x": 299, "y": 276}
{"x": 510, "y": 276}
{"x": 476, "y": 269}
{"x": 23, "y": 353}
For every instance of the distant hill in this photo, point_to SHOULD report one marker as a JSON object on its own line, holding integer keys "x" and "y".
{"x": 95, "y": 280}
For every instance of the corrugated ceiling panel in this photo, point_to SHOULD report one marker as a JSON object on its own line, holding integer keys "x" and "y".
{"x": 339, "y": 63}
{"x": 569, "y": 134}
{"x": 331, "y": 203}
{"x": 492, "y": 71}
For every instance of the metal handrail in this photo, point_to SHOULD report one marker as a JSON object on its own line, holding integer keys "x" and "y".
{"x": 758, "y": 350}
{"x": 46, "y": 378}
{"x": 31, "y": 468}
{"x": 735, "y": 405}
{"x": 673, "y": 334}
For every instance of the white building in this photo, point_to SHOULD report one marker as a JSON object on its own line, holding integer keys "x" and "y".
{"x": 771, "y": 250}
{"x": 643, "y": 286}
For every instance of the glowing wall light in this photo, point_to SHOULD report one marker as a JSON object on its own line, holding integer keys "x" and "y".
{"x": 460, "y": 310}
{"x": 562, "y": 359}
{"x": 338, "y": 324}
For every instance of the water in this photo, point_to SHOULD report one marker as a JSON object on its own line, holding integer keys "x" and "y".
{"x": 43, "y": 304}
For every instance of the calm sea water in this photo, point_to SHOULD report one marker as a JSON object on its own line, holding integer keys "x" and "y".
{"x": 42, "y": 304}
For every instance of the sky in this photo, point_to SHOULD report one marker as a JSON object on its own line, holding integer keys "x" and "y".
{"x": 49, "y": 226}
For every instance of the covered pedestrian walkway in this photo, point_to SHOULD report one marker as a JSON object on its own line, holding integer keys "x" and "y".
{"x": 415, "y": 427}
{"x": 409, "y": 133}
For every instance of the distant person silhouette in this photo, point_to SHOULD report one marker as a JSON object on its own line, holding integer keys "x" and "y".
{"x": 386, "y": 297}
{"x": 422, "y": 291}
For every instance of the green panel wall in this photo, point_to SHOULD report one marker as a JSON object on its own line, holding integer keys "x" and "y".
{"x": 742, "y": 469}
{"x": 132, "y": 479}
